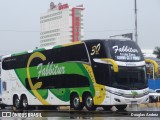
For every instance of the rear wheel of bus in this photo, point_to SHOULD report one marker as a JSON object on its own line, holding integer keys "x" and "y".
{"x": 75, "y": 102}
{"x": 88, "y": 101}
{"x": 121, "y": 107}
{"x": 16, "y": 102}
{"x": 24, "y": 101}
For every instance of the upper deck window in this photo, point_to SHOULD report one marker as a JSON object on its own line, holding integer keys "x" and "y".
{"x": 72, "y": 53}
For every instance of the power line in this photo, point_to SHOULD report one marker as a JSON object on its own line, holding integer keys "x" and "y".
{"x": 112, "y": 30}
{"x": 108, "y": 30}
{"x": 18, "y": 31}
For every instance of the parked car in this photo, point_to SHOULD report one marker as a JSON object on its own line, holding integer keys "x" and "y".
{"x": 153, "y": 96}
{"x": 157, "y": 90}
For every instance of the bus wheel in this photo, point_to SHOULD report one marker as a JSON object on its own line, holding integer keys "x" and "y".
{"x": 2, "y": 107}
{"x": 107, "y": 108}
{"x": 75, "y": 102}
{"x": 121, "y": 107}
{"x": 24, "y": 102}
{"x": 16, "y": 102}
{"x": 89, "y": 103}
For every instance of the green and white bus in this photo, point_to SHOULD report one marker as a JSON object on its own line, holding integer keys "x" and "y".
{"x": 89, "y": 73}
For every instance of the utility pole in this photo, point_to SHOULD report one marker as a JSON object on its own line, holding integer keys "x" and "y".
{"x": 136, "y": 34}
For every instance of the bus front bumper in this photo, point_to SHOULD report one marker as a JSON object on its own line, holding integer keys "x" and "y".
{"x": 120, "y": 100}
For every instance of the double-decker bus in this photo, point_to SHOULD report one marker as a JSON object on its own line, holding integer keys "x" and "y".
{"x": 89, "y": 73}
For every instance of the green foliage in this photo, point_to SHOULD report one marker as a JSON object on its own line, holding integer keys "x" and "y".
{"x": 157, "y": 51}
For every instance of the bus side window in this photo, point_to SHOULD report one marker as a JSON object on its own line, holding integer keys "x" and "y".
{"x": 71, "y": 53}
{"x": 4, "y": 84}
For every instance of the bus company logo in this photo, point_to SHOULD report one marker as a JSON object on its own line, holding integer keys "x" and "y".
{"x": 6, "y": 114}
{"x": 96, "y": 49}
{"x": 134, "y": 93}
{"x": 124, "y": 49}
{"x": 50, "y": 69}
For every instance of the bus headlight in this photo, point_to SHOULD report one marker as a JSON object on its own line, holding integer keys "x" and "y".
{"x": 146, "y": 92}
{"x": 118, "y": 93}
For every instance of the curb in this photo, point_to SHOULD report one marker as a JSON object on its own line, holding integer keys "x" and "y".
{"x": 150, "y": 105}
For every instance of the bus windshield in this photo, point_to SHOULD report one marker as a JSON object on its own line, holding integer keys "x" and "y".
{"x": 129, "y": 78}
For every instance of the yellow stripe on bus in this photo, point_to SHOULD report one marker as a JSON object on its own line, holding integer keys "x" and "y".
{"x": 74, "y": 43}
{"x": 39, "y": 84}
{"x": 99, "y": 89}
{"x": 115, "y": 65}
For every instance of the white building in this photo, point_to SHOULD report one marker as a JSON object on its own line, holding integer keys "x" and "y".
{"x": 148, "y": 53}
{"x": 61, "y": 24}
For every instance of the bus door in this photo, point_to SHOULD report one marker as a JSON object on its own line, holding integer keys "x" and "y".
{"x": 101, "y": 71}
{"x": 5, "y": 91}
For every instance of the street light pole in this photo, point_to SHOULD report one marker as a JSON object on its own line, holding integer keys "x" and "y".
{"x": 136, "y": 34}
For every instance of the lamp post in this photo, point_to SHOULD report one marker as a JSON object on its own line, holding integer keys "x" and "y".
{"x": 136, "y": 34}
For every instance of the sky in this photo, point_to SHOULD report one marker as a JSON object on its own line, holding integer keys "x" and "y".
{"x": 20, "y": 21}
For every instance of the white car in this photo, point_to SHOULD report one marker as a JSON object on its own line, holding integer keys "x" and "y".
{"x": 153, "y": 96}
{"x": 157, "y": 90}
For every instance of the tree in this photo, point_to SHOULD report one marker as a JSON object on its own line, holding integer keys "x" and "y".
{"x": 157, "y": 51}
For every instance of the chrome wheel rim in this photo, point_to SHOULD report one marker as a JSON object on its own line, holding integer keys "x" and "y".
{"x": 89, "y": 101}
{"x": 76, "y": 102}
{"x": 17, "y": 103}
{"x": 25, "y": 103}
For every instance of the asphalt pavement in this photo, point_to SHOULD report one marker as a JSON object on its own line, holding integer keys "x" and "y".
{"x": 132, "y": 112}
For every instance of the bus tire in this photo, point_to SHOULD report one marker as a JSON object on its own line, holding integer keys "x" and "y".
{"x": 24, "y": 102}
{"x": 89, "y": 104}
{"x": 75, "y": 102}
{"x": 121, "y": 107}
{"x": 2, "y": 107}
{"x": 16, "y": 102}
{"x": 107, "y": 107}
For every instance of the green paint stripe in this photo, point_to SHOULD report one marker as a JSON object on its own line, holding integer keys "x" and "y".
{"x": 39, "y": 50}
{"x": 22, "y": 53}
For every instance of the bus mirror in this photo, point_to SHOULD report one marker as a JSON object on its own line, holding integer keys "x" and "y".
{"x": 115, "y": 65}
{"x": 155, "y": 64}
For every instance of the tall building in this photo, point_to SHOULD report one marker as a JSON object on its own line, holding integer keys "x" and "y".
{"x": 61, "y": 24}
